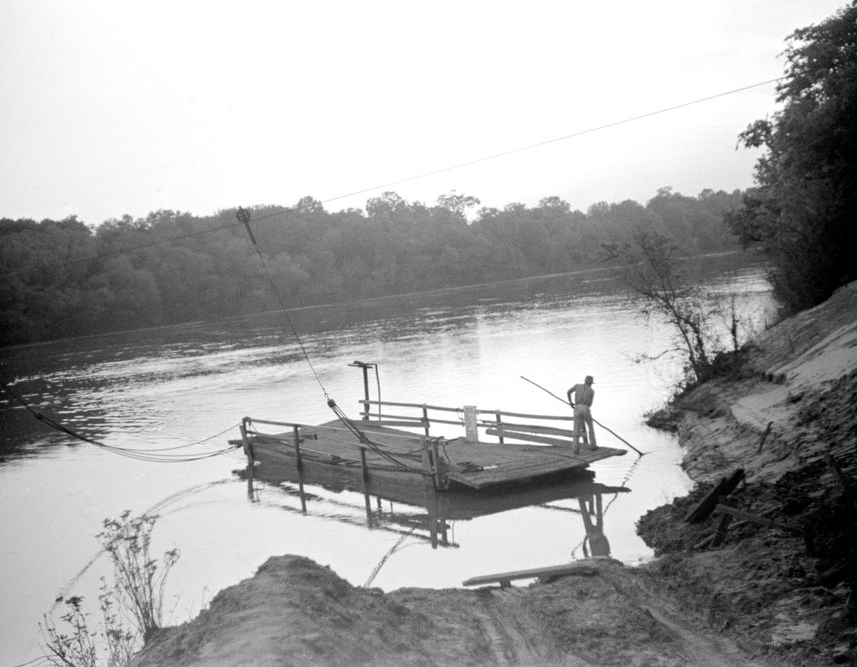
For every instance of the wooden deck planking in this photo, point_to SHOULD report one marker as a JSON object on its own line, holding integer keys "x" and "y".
{"x": 511, "y": 470}
{"x": 505, "y": 462}
{"x": 499, "y": 463}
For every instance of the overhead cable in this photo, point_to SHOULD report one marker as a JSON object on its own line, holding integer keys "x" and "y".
{"x": 426, "y": 174}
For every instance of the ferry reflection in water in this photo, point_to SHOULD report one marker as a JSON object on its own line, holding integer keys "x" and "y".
{"x": 429, "y": 514}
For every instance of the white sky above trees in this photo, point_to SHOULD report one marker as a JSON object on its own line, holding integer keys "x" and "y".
{"x": 111, "y": 108}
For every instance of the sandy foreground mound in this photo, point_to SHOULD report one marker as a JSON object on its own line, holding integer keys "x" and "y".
{"x": 295, "y": 612}
{"x": 779, "y": 593}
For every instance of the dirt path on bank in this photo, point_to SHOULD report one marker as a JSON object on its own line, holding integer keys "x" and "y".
{"x": 697, "y": 645}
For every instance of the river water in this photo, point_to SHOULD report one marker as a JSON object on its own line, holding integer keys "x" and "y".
{"x": 181, "y": 391}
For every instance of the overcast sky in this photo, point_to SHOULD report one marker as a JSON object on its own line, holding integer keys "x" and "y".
{"x": 111, "y": 108}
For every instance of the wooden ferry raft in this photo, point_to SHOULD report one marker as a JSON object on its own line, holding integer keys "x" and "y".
{"x": 380, "y": 453}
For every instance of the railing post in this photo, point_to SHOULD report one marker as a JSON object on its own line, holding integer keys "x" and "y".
{"x": 439, "y": 473}
{"x": 366, "y": 392}
{"x": 430, "y": 485}
{"x": 248, "y": 452}
{"x": 300, "y": 466}
{"x": 428, "y": 473}
{"x": 426, "y": 420}
{"x": 499, "y": 421}
{"x": 365, "y": 366}
{"x": 248, "y": 448}
{"x": 365, "y": 470}
{"x": 471, "y": 423}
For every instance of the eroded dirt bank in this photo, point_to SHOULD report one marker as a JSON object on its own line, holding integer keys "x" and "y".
{"x": 791, "y": 593}
{"x": 764, "y": 596}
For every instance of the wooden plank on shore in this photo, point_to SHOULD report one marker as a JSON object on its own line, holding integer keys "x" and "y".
{"x": 543, "y": 573}
{"x": 764, "y": 437}
{"x": 706, "y": 506}
{"x": 755, "y": 518}
{"x": 722, "y": 527}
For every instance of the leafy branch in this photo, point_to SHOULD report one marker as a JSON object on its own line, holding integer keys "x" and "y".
{"x": 137, "y": 591}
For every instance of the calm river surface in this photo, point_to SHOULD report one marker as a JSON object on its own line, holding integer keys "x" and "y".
{"x": 172, "y": 387}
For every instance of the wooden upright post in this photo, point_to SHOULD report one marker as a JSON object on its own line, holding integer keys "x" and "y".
{"x": 365, "y": 469}
{"x": 499, "y": 424}
{"x": 471, "y": 423}
{"x": 425, "y": 420}
{"x": 366, "y": 391}
{"x": 440, "y": 481}
{"x": 248, "y": 452}
{"x": 248, "y": 448}
{"x": 365, "y": 367}
{"x": 425, "y": 455}
{"x": 300, "y": 466}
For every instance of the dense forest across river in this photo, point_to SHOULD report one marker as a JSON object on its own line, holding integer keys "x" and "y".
{"x": 65, "y": 278}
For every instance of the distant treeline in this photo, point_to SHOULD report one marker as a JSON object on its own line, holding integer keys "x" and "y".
{"x": 63, "y": 278}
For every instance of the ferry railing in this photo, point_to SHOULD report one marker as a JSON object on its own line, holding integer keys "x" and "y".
{"x": 430, "y": 458}
{"x": 294, "y": 428}
{"x": 478, "y": 425}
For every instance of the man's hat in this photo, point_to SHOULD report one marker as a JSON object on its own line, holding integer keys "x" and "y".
{"x": 589, "y": 380}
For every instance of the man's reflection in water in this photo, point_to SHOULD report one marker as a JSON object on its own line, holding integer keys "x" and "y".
{"x": 595, "y": 540}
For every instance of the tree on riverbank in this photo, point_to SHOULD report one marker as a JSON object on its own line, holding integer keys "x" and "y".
{"x": 652, "y": 267}
{"x": 62, "y": 279}
{"x": 804, "y": 209}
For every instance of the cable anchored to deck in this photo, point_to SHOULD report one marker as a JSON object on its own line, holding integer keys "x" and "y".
{"x": 364, "y": 439}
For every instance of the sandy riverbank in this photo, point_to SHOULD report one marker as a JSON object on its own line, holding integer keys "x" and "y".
{"x": 778, "y": 590}
{"x": 759, "y": 598}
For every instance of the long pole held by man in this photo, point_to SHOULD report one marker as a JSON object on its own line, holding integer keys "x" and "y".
{"x": 595, "y": 421}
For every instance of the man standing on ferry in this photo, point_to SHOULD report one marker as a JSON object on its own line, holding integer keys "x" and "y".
{"x": 584, "y": 394}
